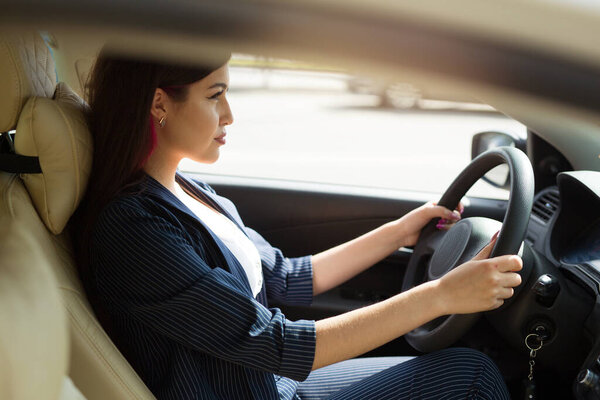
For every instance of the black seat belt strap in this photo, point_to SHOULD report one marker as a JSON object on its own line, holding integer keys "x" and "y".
{"x": 15, "y": 163}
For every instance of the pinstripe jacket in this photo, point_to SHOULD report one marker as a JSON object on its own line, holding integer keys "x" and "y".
{"x": 181, "y": 308}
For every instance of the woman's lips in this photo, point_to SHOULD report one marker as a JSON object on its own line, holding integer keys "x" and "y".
{"x": 221, "y": 138}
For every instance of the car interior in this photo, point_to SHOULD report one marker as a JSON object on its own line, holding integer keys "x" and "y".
{"x": 58, "y": 337}
{"x": 53, "y": 347}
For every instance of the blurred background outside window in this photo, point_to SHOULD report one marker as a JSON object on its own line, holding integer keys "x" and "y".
{"x": 309, "y": 123}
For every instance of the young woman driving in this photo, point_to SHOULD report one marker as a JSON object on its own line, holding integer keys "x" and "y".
{"x": 182, "y": 286}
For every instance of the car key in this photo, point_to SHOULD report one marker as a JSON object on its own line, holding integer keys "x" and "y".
{"x": 530, "y": 385}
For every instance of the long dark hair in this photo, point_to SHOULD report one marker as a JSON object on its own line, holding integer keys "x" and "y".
{"x": 120, "y": 91}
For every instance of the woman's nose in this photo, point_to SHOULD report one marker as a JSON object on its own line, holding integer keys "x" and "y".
{"x": 226, "y": 115}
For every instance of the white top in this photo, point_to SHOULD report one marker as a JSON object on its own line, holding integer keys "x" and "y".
{"x": 238, "y": 243}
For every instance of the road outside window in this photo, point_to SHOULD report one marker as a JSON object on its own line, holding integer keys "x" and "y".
{"x": 311, "y": 126}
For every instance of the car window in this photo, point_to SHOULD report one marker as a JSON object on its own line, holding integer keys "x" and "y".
{"x": 294, "y": 122}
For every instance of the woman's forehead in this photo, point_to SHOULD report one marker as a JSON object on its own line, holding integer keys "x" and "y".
{"x": 220, "y": 75}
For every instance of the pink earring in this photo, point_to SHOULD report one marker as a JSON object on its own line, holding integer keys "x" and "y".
{"x": 162, "y": 121}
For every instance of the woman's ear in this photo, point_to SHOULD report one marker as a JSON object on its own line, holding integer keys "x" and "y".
{"x": 158, "y": 108}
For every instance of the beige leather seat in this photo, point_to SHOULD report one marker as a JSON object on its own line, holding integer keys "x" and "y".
{"x": 57, "y": 328}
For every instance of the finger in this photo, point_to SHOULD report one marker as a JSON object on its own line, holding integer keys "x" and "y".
{"x": 460, "y": 207}
{"x": 444, "y": 224}
{"x": 510, "y": 280}
{"x": 497, "y": 304}
{"x": 443, "y": 212}
{"x": 487, "y": 250}
{"x": 505, "y": 293}
{"x": 508, "y": 263}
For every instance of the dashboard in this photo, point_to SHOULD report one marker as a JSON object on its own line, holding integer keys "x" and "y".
{"x": 585, "y": 247}
{"x": 564, "y": 234}
{"x": 565, "y": 219}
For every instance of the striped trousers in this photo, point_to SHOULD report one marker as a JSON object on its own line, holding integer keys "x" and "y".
{"x": 454, "y": 373}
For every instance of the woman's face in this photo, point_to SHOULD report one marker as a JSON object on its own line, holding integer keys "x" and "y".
{"x": 195, "y": 129}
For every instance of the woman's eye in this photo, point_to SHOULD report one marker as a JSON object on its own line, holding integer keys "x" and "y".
{"x": 216, "y": 95}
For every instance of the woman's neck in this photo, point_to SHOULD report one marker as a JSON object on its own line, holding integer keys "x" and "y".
{"x": 163, "y": 170}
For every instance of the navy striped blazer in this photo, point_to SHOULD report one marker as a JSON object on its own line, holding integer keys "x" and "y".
{"x": 180, "y": 306}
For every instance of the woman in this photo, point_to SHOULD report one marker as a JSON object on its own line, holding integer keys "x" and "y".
{"x": 181, "y": 285}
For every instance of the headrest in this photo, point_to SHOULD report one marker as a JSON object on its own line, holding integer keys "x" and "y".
{"x": 55, "y": 131}
{"x": 27, "y": 69}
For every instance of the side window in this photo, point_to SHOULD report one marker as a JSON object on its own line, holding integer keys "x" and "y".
{"x": 294, "y": 122}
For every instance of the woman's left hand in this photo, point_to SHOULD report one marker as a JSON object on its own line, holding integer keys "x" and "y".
{"x": 412, "y": 223}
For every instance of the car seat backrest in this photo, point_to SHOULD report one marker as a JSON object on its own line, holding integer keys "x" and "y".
{"x": 33, "y": 324}
{"x": 50, "y": 125}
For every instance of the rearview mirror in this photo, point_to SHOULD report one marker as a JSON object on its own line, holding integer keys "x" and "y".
{"x": 499, "y": 176}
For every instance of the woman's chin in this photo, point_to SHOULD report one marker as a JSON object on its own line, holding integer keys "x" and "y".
{"x": 207, "y": 158}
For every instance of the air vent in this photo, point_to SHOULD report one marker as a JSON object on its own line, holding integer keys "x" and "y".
{"x": 546, "y": 205}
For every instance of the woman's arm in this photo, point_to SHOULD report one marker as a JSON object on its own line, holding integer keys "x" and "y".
{"x": 477, "y": 285}
{"x": 335, "y": 266}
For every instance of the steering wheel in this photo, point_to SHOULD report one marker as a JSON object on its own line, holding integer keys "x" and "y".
{"x": 438, "y": 252}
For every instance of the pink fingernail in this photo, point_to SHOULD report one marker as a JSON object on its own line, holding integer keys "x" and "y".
{"x": 495, "y": 236}
{"x": 454, "y": 215}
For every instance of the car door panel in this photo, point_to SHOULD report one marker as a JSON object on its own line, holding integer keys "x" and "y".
{"x": 301, "y": 222}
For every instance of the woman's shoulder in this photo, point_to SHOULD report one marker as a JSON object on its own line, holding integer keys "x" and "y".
{"x": 128, "y": 207}
{"x": 145, "y": 195}
{"x": 124, "y": 203}
{"x": 126, "y": 219}
{"x": 117, "y": 214}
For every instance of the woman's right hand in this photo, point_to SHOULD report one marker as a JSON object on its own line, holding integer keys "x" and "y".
{"x": 480, "y": 284}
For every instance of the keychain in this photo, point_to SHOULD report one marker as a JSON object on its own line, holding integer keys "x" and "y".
{"x": 530, "y": 387}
